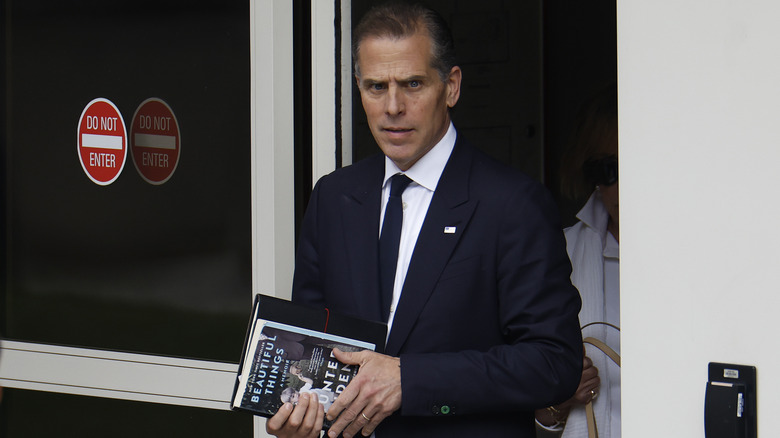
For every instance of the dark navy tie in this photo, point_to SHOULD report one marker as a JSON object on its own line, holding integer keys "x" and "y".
{"x": 389, "y": 240}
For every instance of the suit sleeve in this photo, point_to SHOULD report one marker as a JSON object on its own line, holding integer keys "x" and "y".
{"x": 307, "y": 287}
{"x": 539, "y": 362}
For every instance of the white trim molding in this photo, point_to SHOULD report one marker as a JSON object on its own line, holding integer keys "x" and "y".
{"x": 273, "y": 208}
{"x": 112, "y": 374}
{"x": 347, "y": 77}
{"x": 323, "y": 86}
{"x": 324, "y": 80}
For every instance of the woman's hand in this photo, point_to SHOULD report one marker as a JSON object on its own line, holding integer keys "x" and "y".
{"x": 587, "y": 390}
{"x": 589, "y": 384}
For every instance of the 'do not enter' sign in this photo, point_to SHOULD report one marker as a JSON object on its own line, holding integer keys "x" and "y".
{"x": 102, "y": 141}
{"x": 155, "y": 141}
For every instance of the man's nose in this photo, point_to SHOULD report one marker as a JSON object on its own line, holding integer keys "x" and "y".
{"x": 395, "y": 101}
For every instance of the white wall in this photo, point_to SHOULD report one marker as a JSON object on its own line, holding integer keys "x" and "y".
{"x": 699, "y": 153}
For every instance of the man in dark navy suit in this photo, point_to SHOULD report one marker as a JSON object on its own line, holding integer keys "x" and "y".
{"x": 481, "y": 313}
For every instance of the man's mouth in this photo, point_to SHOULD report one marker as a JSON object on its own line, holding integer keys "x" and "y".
{"x": 394, "y": 130}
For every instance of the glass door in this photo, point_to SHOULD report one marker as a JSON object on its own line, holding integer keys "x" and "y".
{"x": 134, "y": 224}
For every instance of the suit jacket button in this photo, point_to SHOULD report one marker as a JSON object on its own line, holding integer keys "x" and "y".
{"x": 436, "y": 410}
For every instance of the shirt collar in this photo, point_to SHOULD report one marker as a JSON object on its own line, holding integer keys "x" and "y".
{"x": 428, "y": 169}
{"x": 594, "y": 214}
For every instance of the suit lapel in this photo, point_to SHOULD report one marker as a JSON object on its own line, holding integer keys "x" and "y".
{"x": 447, "y": 218}
{"x": 360, "y": 218}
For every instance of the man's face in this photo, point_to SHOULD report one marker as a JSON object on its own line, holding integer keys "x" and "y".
{"x": 405, "y": 100}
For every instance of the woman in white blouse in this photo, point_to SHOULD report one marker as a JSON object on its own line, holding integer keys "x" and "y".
{"x": 590, "y": 167}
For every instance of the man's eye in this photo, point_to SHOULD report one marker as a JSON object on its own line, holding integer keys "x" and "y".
{"x": 414, "y": 84}
{"x": 376, "y": 87}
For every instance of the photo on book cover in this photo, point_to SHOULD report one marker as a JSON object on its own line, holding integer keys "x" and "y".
{"x": 283, "y": 361}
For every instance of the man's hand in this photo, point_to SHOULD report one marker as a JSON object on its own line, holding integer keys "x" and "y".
{"x": 370, "y": 397}
{"x": 303, "y": 420}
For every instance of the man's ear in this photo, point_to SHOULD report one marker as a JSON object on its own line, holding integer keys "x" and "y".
{"x": 453, "y": 86}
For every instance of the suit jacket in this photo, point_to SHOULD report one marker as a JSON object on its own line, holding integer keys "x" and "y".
{"x": 486, "y": 326}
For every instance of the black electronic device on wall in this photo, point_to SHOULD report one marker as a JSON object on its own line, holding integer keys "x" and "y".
{"x": 730, "y": 401}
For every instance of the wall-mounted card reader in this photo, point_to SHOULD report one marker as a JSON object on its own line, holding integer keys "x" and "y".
{"x": 730, "y": 401}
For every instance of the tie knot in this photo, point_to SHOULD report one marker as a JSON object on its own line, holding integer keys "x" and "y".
{"x": 398, "y": 184}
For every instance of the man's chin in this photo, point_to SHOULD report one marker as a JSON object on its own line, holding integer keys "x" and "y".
{"x": 394, "y": 149}
{"x": 401, "y": 160}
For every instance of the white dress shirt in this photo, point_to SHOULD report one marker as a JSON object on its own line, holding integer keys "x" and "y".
{"x": 425, "y": 174}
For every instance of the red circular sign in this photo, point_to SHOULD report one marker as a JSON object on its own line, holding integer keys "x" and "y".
{"x": 102, "y": 141}
{"x": 155, "y": 141}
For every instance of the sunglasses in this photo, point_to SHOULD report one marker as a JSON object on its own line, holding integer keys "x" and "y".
{"x": 602, "y": 171}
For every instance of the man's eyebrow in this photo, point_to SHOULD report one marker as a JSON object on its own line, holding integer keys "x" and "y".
{"x": 417, "y": 78}
{"x": 367, "y": 81}
{"x": 412, "y": 78}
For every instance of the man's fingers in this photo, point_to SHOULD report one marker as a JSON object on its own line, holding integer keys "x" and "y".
{"x": 351, "y": 392}
{"x": 342, "y": 401}
{"x": 375, "y": 392}
{"x": 368, "y": 428}
{"x": 343, "y": 422}
{"x": 369, "y": 424}
{"x": 275, "y": 423}
{"x": 298, "y": 414}
{"x": 320, "y": 419}
{"x": 360, "y": 422}
{"x": 363, "y": 424}
{"x": 312, "y": 413}
{"x": 346, "y": 407}
{"x": 302, "y": 420}
{"x": 350, "y": 357}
